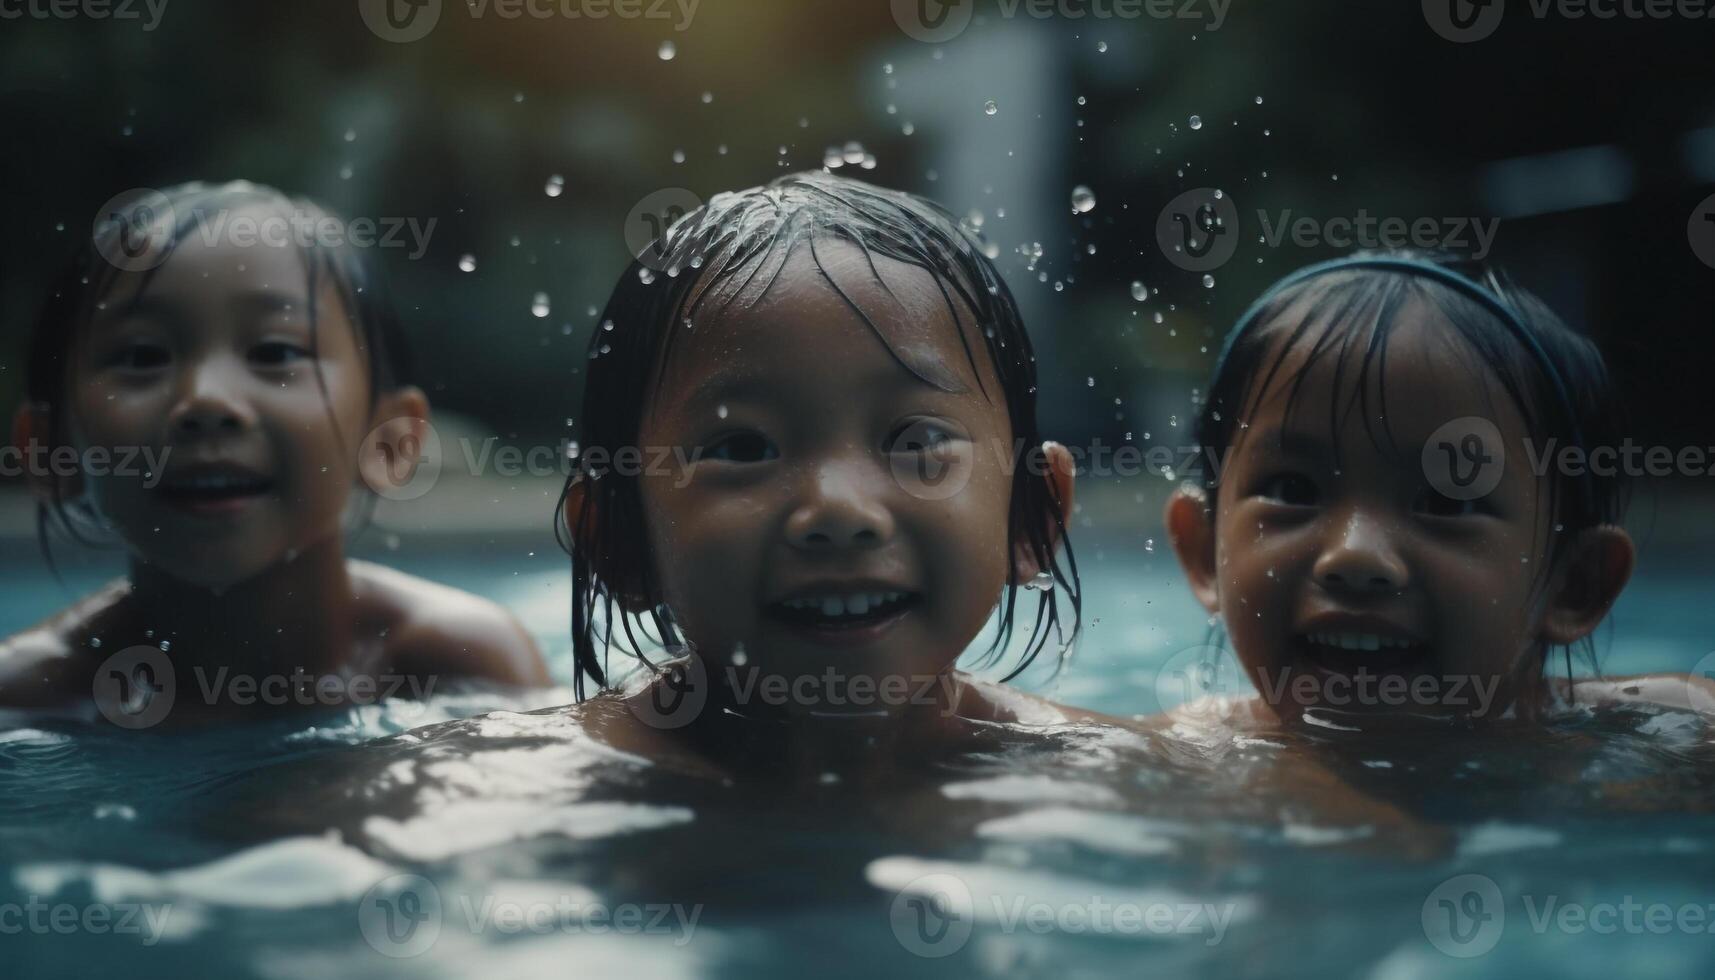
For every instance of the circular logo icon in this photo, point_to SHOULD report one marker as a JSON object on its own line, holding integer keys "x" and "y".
{"x": 928, "y": 465}
{"x": 646, "y": 226}
{"x": 1700, "y": 686}
{"x": 1464, "y": 21}
{"x": 400, "y": 915}
{"x": 933, "y": 21}
{"x": 1197, "y": 682}
{"x": 135, "y": 687}
{"x": 932, "y": 915}
{"x": 676, "y": 695}
{"x": 1198, "y": 230}
{"x": 134, "y": 230}
{"x": 400, "y": 459}
{"x": 1464, "y": 916}
{"x": 1464, "y": 459}
{"x": 400, "y": 21}
{"x": 1701, "y": 231}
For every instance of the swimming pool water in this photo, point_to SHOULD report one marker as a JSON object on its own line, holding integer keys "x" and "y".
{"x": 483, "y": 845}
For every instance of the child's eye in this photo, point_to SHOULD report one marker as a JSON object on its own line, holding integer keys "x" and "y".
{"x": 920, "y": 435}
{"x": 1437, "y": 504}
{"x": 276, "y": 353}
{"x": 139, "y": 357}
{"x": 740, "y": 447}
{"x": 1292, "y": 489}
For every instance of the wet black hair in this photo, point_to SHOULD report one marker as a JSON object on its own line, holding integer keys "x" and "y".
{"x": 704, "y": 262}
{"x": 1353, "y": 310}
{"x": 171, "y": 215}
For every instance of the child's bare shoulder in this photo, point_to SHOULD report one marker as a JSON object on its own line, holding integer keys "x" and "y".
{"x": 435, "y": 629}
{"x": 52, "y": 662}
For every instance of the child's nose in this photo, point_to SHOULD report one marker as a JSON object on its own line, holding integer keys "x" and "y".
{"x": 208, "y": 403}
{"x": 837, "y": 511}
{"x": 1361, "y": 558}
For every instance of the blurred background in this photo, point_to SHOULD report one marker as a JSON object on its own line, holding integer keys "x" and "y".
{"x": 538, "y": 144}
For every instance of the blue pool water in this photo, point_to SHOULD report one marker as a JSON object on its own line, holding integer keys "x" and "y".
{"x": 357, "y": 843}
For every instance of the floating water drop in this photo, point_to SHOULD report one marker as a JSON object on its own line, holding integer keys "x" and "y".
{"x": 1102, "y": 46}
{"x": 1159, "y": 318}
{"x": 1208, "y": 281}
{"x": 1259, "y": 100}
{"x": 1089, "y": 382}
{"x": 667, "y": 50}
{"x": 678, "y": 156}
{"x": 989, "y": 108}
{"x": 1040, "y": 582}
{"x": 351, "y": 136}
{"x": 555, "y": 187}
{"x": 539, "y": 305}
{"x": 708, "y": 97}
{"x": 854, "y": 152}
{"x": 1083, "y": 200}
{"x": 720, "y": 411}
{"x": 607, "y": 325}
{"x": 1080, "y": 100}
{"x": 1139, "y": 291}
{"x": 467, "y": 263}
{"x": 1196, "y": 122}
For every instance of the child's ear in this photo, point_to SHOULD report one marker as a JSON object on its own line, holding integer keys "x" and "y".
{"x": 1061, "y": 476}
{"x": 1191, "y": 529}
{"x": 33, "y": 424}
{"x": 398, "y": 425}
{"x": 619, "y": 577}
{"x": 1597, "y": 565}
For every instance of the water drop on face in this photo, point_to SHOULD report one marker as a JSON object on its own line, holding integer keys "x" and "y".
{"x": 667, "y": 50}
{"x": 989, "y": 108}
{"x": 1208, "y": 281}
{"x": 1083, "y": 200}
{"x": 539, "y": 305}
{"x": 467, "y": 263}
{"x": 556, "y": 184}
{"x": 1196, "y": 122}
{"x": 1139, "y": 291}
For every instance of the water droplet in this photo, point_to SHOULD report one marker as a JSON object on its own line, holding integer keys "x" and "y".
{"x": 1196, "y": 122}
{"x": 605, "y": 325}
{"x": 739, "y": 657}
{"x": 539, "y": 305}
{"x": 678, "y": 156}
{"x": 989, "y": 108}
{"x": 95, "y": 641}
{"x": 720, "y": 411}
{"x": 854, "y": 152}
{"x": 467, "y": 263}
{"x": 645, "y": 276}
{"x": 1139, "y": 291}
{"x": 556, "y": 184}
{"x": 1080, "y": 100}
{"x": 166, "y": 646}
{"x": 1259, "y": 100}
{"x": 1083, "y": 200}
{"x": 832, "y": 158}
{"x": 1159, "y": 318}
{"x": 1040, "y": 582}
{"x": 351, "y": 136}
{"x": 1208, "y": 281}
{"x": 1102, "y": 46}
{"x": 667, "y": 51}
{"x": 708, "y": 97}
{"x": 1090, "y": 382}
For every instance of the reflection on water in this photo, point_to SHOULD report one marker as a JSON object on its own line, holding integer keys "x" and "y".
{"x": 1018, "y": 852}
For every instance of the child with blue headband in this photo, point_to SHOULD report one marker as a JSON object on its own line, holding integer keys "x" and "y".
{"x": 1380, "y": 539}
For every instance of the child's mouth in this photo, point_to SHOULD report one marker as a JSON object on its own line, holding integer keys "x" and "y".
{"x": 1351, "y": 652}
{"x": 214, "y": 492}
{"x": 845, "y": 616}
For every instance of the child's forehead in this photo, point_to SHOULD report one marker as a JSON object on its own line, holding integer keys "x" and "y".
{"x": 831, "y": 295}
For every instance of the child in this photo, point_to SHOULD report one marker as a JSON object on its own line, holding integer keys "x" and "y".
{"x": 1375, "y": 536}
{"x": 828, "y": 400}
{"x": 245, "y": 373}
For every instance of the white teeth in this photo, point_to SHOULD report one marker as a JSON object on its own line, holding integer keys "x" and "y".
{"x": 857, "y": 605}
{"x": 833, "y": 606}
{"x": 1359, "y": 641}
{"x": 853, "y": 604}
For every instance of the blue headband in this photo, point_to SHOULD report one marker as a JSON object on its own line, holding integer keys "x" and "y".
{"x": 1488, "y": 298}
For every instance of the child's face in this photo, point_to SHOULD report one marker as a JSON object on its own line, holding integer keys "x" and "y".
{"x": 797, "y": 521}
{"x": 213, "y": 365}
{"x": 1310, "y": 558}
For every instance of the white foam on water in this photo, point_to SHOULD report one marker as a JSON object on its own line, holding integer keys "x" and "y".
{"x": 470, "y": 825}
{"x": 1029, "y": 789}
{"x": 1498, "y": 838}
{"x": 1112, "y": 833}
